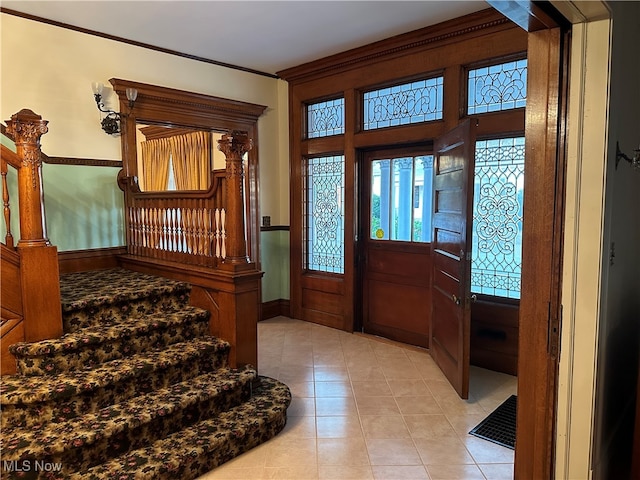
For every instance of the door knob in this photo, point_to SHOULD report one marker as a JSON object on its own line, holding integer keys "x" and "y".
{"x": 455, "y": 299}
{"x": 474, "y": 298}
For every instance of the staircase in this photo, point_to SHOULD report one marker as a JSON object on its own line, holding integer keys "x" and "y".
{"x": 135, "y": 388}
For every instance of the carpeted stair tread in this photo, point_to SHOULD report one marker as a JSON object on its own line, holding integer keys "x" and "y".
{"x": 196, "y": 450}
{"x": 16, "y": 389}
{"x": 90, "y": 337}
{"x": 102, "y": 287}
{"x": 55, "y": 438}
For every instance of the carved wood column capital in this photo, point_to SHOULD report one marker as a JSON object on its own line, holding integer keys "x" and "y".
{"x": 235, "y": 144}
{"x": 26, "y": 128}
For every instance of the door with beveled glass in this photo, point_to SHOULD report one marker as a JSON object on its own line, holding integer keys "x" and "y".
{"x": 394, "y": 253}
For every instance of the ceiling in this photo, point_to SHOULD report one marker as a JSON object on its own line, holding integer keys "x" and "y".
{"x": 266, "y": 36}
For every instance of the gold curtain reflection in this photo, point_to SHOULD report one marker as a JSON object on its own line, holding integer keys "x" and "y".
{"x": 156, "y": 155}
{"x": 191, "y": 160}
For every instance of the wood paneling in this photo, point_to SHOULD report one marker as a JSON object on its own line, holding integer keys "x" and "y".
{"x": 494, "y": 335}
{"x": 275, "y": 308}
{"x": 91, "y": 259}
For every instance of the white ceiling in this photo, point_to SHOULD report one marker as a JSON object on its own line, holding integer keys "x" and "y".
{"x": 266, "y": 36}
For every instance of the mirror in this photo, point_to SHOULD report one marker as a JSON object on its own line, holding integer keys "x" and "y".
{"x": 175, "y": 158}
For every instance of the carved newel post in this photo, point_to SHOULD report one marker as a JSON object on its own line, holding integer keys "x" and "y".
{"x": 39, "y": 271}
{"x": 26, "y": 128}
{"x": 234, "y": 146}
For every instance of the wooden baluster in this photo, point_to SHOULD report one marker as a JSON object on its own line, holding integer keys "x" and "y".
{"x": 39, "y": 271}
{"x": 8, "y": 239}
{"x": 234, "y": 146}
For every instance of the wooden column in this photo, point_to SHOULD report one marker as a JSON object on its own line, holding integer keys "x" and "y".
{"x": 39, "y": 275}
{"x": 234, "y": 146}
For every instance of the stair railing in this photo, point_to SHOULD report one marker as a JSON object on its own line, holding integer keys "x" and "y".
{"x": 38, "y": 259}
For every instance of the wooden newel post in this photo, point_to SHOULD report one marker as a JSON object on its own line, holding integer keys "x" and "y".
{"x": 234, "y": 146}
{"x": 26, "y": 128}
{"x": 39, "y": 271}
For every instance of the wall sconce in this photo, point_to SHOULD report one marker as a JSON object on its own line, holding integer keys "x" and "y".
{"x": 111, "y": 122}
{"x": 634, "y": 161}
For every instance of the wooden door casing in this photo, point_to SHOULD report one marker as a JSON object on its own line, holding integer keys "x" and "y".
{"x": 451, "y": 242}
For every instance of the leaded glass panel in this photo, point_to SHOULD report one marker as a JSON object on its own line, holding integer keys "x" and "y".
{"x": 497, "y": 217}
{"x": 497, "y": 87}
{"x": 325, "y": 118}
{"x": 324, "y": 214}
{"x": 401, "y": 199}
{"x": 413, "y": 102}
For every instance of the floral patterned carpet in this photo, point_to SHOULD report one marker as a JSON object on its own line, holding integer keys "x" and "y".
{"x": 135, "y": 388}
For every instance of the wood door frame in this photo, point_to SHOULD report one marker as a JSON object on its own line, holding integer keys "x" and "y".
{"x": 544, "y": 191}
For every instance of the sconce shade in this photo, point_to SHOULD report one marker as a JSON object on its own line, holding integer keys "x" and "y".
{"x": 132, "y": 94}
{"x": 97, "y": 88}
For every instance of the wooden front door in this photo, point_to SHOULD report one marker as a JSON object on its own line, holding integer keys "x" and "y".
{"x": 453, "y": 169}
{"x": 394, "y": 251}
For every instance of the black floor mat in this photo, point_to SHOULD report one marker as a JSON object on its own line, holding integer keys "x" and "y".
{"x": 500, "y": 426}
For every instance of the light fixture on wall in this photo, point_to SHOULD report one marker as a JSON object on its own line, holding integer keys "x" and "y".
{"x": 111, "y": 122}
{"x": 634, "y": 161}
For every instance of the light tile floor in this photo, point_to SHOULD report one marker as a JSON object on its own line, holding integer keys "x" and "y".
{"x": 367, "y": 408}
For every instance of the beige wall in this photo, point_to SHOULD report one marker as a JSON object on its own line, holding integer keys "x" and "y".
{"x": 50, "y": 69}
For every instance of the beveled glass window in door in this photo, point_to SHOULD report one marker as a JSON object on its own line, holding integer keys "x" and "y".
{"x": 324, "y": 214}
{"x": 496, "y": 256}
{"x": 401, "y": 199}
{"x": 414, "y": 102}
{"x": 497, "y": 87}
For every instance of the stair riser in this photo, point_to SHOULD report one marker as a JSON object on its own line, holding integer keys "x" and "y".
{"x": 85, "y": 457}
{"x": 112, "y": 313}
{"x": 95, "y": 354}
{"x": 24, "y": 415}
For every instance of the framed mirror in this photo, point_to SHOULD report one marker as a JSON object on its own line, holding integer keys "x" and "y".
{"x": 170, "y": 146}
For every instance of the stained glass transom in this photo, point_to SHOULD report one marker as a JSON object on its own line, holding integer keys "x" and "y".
{"x": 498, "y": 87}
{"x": 325, "y": 118}
{"x": 497, "y": 217}
{"x": 324, "y": 214}
{"x": 413, "y": 102}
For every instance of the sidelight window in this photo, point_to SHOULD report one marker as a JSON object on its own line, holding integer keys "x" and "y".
{"x": 497, "y": 217}
{"x": 324, "y": 214}
{"x": 401, "y": 199}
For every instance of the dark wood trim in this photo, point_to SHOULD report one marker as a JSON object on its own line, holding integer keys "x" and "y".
{"x": 85, "y": 162}
{"x": 133, "y": 42}
{"x": 90, "y": 259}
{"x": 275, "y": 308}
{"x": 273, "y": 228}
{"x": 540, "y": 307}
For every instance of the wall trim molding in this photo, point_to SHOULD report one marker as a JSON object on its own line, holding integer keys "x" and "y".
{"x": 85, "y": 162}
{"x": 275, "y": 308}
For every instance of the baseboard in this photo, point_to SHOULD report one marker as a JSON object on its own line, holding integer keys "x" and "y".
{"x": 90, "y": 259}
{"x": 275, "y": 308}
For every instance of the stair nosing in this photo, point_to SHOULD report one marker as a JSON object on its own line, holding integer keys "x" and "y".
{"x": 108, "y": 373}
{"x": 73, "y": 341}
{"x": 79, "y": 427}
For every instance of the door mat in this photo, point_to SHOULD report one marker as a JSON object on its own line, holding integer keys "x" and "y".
{"x": 500, "y": 426}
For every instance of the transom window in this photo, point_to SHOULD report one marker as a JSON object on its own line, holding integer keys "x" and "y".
{"x": 497, "y": 217}
{"x": 401, "y": 199}
{"x": 324, "y": 214}
{"x": 497, "y": 87}
{"x": 413, "y": 102}
{"x": 325, "y": 118}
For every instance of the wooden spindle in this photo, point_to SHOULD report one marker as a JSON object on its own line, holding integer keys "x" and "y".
{"x": 8, "y": 239}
